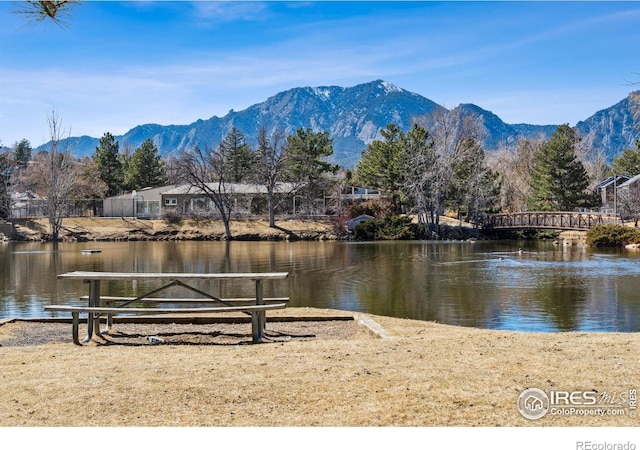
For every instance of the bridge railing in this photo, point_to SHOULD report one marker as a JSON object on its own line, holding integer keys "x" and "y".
{"x": 554, "y": 220}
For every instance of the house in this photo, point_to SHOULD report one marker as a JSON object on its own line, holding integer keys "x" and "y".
{"x": 630, "y": 185}
{"x": 248, "y": 198}
{"x": 628, "y": 198}
{"x": 608, "y": 192}
{"x": 352, "y": 223}
{"x": 144, "y": 203}
{"x": 354, "y": 193}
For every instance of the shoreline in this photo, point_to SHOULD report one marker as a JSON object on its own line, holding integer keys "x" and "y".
{"x": 131, "y": 229}
{"x": 90, "y": 229}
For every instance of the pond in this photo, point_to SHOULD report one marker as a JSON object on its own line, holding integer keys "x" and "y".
{"x": 509, "y": 285}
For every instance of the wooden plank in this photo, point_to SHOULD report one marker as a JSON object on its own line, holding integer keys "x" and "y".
{"x": 111, "y": 299}
{"x": 110, "y": 310}
{"x": 81, "y": 275}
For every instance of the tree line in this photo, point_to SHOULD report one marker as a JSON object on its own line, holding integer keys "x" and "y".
{"x": 440, "y": 167}
{"x": 301, "y": 160}
{"x": 437, "y": 167}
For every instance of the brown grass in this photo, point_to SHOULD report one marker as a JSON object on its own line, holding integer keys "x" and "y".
{"x": 115, "y": 228}
{"x": 426, "y": 374}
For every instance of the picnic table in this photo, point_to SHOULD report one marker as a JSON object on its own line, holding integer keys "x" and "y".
{"x": 256, "y": 306}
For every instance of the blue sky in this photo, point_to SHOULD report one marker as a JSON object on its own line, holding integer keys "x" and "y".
{"x": 121, "y": 64}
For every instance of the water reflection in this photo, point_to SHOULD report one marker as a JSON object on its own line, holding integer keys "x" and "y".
{"x": 501, "y": 285}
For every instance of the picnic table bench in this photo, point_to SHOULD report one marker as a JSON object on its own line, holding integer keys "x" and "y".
{"x": 256, "y": 306}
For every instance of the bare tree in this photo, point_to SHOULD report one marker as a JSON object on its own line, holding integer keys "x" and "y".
{"x": 53, "y": 177}
{"x": 6, "y": 168}
{"x": 514, "y": 169}
{"x": 420, "y": 171}
{"x": 271, "y": 165}
{"x": 205, "y": 171}
{"x": 450, "y": 131}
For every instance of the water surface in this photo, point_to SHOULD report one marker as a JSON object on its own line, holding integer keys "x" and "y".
{"x": 499, "y": 285}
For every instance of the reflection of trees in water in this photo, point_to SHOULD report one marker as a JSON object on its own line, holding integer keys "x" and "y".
{"x": 424, "y": 281}
{"x": 562, "y": 299}
{"x": 454, "y": 283}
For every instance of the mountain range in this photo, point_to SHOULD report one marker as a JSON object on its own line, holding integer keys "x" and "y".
{"x": 354, "y": 116}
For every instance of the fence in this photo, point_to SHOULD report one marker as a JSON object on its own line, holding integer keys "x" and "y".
{"x": 33, "y": 209}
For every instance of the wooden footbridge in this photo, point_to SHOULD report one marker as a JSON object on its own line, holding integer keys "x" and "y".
{"x": 579, "y": 221}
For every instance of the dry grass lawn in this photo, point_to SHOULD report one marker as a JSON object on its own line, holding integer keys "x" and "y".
{"x": 115, "y": 228}
{"x": 421, "y": 374}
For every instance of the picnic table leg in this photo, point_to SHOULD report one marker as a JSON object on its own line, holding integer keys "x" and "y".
{"x": 262, "y": 315}
{"x": 256, "y": 329}
{"x": 75, "y": 315}
{"x": 93, "y": 319}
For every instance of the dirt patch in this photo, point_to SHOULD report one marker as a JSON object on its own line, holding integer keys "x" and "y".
{"x": 26, "y": 334}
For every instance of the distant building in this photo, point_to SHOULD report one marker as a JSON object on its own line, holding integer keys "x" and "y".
{"x": 248, "y": 198}
{"x": 352, "y": 223}
{"x": 144, "y": 203}
{"x": 608, "y": 192}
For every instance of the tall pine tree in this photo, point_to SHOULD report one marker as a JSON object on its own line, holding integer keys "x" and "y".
{"x": 381, "y": 165}
{"x": 307, "y": 163}
{"x": 240, "y": 158}
{"x": 22, "y": 153}
{"x": 559, "y": 180}
{"x": 109, "y": 163}
{"x": 145, "y": 168}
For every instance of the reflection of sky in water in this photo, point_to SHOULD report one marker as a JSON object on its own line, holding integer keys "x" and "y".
{"x": 521, "y": 273}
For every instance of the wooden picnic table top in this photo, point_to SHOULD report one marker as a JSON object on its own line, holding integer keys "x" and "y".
{"x": 82, "y": 275}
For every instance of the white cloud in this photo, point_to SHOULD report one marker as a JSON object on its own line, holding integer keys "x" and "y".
{"x": 221, "y": 12}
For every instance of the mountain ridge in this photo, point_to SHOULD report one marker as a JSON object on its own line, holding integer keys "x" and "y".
{"x": 353, "y": 117}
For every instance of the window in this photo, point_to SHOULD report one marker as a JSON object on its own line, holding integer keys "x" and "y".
{"x": 199, "y": 203}
{"x": 170, "y": 201}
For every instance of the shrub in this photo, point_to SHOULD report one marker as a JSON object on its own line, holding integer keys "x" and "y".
{"x": 172, "y": 217}
{"x": 389, "y": 228}
{"x": 612, "y": 236}
{"x": 339, "y": 225}
{"x": 379, "y": 208}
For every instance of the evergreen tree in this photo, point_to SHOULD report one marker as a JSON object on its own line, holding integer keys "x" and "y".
{"x": 381, "y": 165}
{"x": 628, "y": 162}
{"x": 240, "y": 159}
{"x": 306, "y": 156}
{"x": 109, "y": 164}
{"x": 145, "y": 168}
{"x": 22, "y": 153}
{"x": 474, "y": 186}
{"x": 559, "y": 180}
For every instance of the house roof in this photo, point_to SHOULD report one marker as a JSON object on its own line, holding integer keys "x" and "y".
{"x": 232, "y": 188}
{"x": 610, "y": 181}
{"x": 630, "y": 181}
{"x": 351, "y": 223}
{"x": 142, "y": 191}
